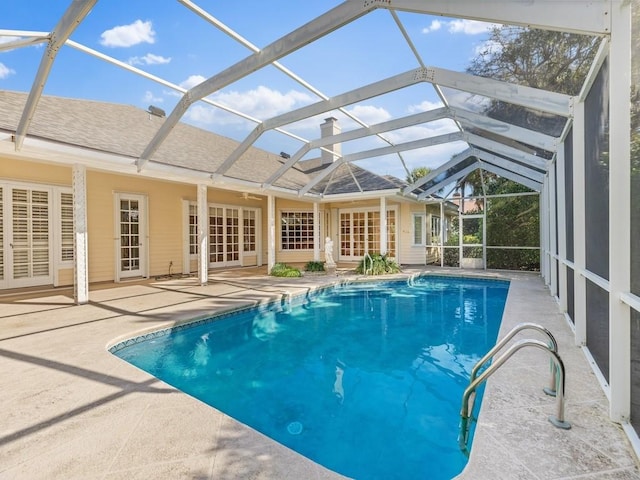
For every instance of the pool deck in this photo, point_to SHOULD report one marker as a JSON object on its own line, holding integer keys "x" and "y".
{"x": 71, "y": 410}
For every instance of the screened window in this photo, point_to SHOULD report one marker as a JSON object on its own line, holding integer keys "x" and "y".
{"x": 419, "y": 231}
{"x": 296, "y": 230}
{"x": 436, "y": 229}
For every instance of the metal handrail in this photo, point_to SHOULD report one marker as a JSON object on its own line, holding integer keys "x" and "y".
{"x": 557, "y": 420}
{"x": 364, "y": 263}
{"x": 553, "y": 345}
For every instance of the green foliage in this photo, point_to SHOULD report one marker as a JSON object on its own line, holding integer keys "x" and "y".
{"x": 314, "y": 267}
{"x": 417, "y": 173}
{"x": 378, "y": 265}
{"x": 284, "y": 270}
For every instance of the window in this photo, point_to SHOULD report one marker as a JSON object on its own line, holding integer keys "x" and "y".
{"x": 193, "y": 229}
{"x": 435, "y": 230}
{"x": 419, "y": 230}
{"x": 249, "y": 230}
{"x": 66, "y": 227}
{"x": 296, "y": 230}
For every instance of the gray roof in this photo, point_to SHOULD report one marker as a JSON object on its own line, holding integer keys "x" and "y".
{"x": 126, "y": 130}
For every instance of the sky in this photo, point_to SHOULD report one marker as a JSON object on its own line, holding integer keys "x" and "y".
{"x": 169, "y": 41}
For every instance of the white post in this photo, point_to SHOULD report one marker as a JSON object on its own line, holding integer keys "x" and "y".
{"x": 316, "y": 231}
{"x": 620, "y": 210}
{"x": 553, "y": 245}
{"x": 543, "y": 230}
{"x": 562, "y": 229}
{"x": 579, "y": 226}
{"x": 271, "y": 233}
{"x": 80, "y": 236}
{"x": 203, "y": 237}
{"x": 383, "y": 226}
{"x": 442, "y": 232}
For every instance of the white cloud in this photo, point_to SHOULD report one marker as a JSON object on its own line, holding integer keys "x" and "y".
{"x": 5, "y": 71}
{"x": 370, "y": 114}
{"x": 128, "y": 35}
{"x": 469, "y": 27}
{"x": 466, "y": 27}
{"x": 149, "y": 59}
{"x": 489, "y": 46}
{"x": 149, "y": 98}
{"x": 192, "y": 81}
{"x": 424, "y": 106}
{"x": 261, "y": 103}
{"x": 435, "y": 26}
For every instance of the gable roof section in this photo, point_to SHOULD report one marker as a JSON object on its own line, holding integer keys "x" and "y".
{"x": 124, "y": 130}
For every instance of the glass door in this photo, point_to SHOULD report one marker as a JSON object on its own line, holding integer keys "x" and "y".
{"x": 131, "y": 248}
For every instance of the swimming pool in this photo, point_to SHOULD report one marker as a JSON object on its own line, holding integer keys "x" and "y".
{"x": 365, "y": 379}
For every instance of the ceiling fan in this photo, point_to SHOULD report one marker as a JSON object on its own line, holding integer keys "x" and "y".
{"x": 247, "y": 196}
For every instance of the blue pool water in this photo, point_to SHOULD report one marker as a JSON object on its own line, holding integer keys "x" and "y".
{"x": 365, "y": 379}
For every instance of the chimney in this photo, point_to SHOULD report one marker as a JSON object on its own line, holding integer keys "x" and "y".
{"x": 328, "y": 128}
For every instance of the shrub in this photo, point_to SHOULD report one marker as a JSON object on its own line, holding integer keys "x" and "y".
{"x": 284, "y": 270}
{"x": 378, "y": 265}
{"x": 314, "y": 267}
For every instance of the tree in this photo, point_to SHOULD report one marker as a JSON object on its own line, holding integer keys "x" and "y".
{"x": 548, "y": 60}
{"x": 553, "y": 61}
{"x": 417, "y": 173}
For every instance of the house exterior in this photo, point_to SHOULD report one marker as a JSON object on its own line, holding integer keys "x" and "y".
{"x": 74, "y": 209}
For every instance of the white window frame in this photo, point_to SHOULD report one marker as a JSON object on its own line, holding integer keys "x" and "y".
{"x": 310, "y": 237}
{"x": 423, "y": 229}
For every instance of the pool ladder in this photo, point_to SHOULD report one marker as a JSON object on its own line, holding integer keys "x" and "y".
{"x": 555, "y": 388}
{"x": 364, "y": 263}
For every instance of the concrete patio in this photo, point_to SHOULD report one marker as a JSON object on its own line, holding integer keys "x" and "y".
{"x": 72, "y": 410}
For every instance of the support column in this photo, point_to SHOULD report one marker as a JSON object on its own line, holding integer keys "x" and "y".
{"x": 579, "y": 226}
{"x": 544, "y": 246}
{"x": 271, "y": 232}
{"x": 562, "y": 231}
{"x": 620, "y": 211}
{"x": 203, "y": 237}
{"x": 443, "y": 225}
{"x": 383, "y": 225}
{"x": 316, "y": 232}
{"x": 553, "y": 245}
{"x": 80, "y": 235}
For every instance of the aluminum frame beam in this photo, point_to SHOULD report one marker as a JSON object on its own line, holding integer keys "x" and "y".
{"x": 311, "y": 31}
{"x": 508, "y": 174}
{"x": 538, "y": 99}
{"x": 507, "y": 151}
{"x": 453, "y": 178}
{"x": 71, "y": 18}
{"x": 375, "y": 89}
{"x": 578, "y": 16}
{"x": 378, "y": 152}
{"x": 504, "y": 129}
{"x": 408, "y": 121}
{"x": 508, "y": 165}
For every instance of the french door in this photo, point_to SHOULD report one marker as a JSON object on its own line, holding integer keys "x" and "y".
{"x": 360, "y": 233}
{"x": 26, "y": 253}
{"x": 224, "y": 236}
{"x": 131, "y": 240}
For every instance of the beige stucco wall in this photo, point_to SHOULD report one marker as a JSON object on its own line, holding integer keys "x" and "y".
{"x": 165, "y": 227}
{"x": 409, "y": 254}
{"x": 164, "y": 214}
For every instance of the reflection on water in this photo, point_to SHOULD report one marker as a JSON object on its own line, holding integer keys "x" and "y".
{"x": 369, "y": 380}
